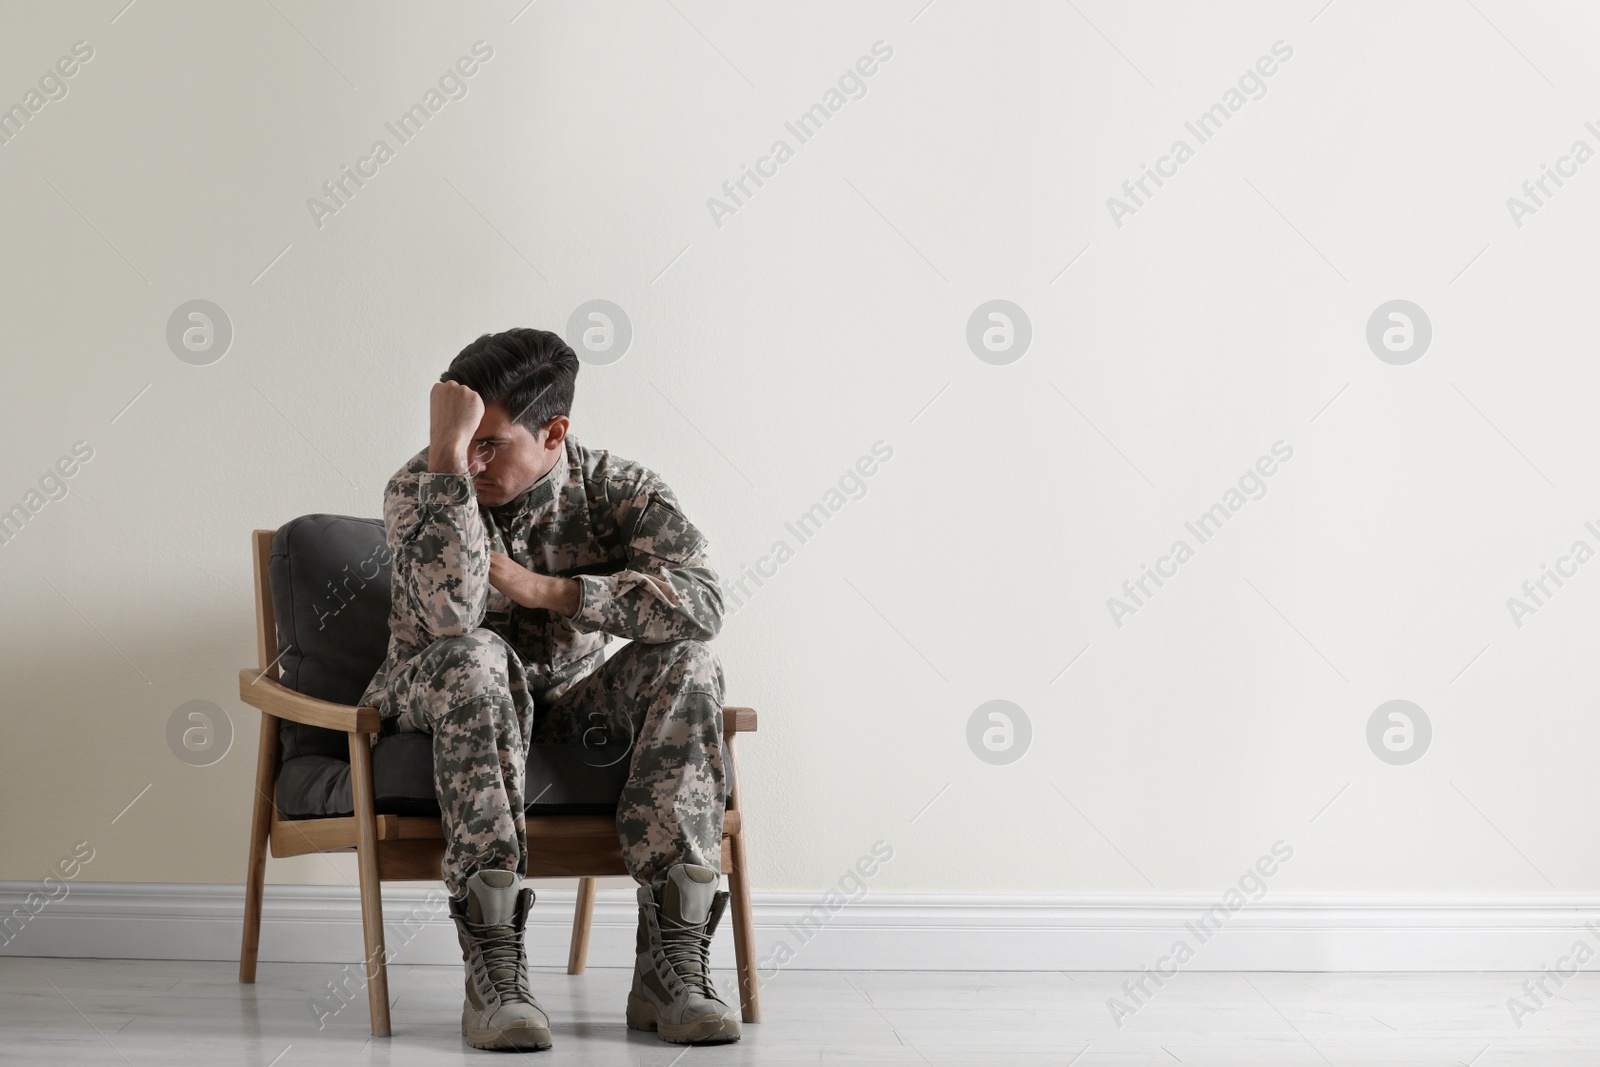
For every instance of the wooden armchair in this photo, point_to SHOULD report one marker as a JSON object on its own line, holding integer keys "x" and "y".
{"x": 396, "y": 848}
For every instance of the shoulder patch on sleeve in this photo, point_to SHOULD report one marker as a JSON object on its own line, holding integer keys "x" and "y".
{"x": 663, "y": 531}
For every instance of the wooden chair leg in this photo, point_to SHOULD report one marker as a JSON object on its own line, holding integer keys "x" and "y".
{"x": 744, "y": 933}
{"x": 582, "y": 920}
{"x": 255, "y": 874}
{"x": 371, "y": 894}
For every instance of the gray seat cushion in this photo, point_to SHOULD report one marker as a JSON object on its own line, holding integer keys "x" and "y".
{"x": 561, "y": 780}
{"x": 330, "y": 591}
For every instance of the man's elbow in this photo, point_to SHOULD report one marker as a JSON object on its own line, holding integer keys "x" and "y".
{"x": 709, "y": 617}
{"x": 707, "y": 627}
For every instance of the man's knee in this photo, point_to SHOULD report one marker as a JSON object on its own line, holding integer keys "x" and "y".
{"x": 467, "y": 666}
{"x": 690, "y": 658}
{"x": 479, "y": 649}
{"x": 688, "y": 664}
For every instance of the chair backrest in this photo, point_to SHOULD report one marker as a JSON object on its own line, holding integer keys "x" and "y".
{"x": 330, "y": 595}
{"x": 329, "y": 583}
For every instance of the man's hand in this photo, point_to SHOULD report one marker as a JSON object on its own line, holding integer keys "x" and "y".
{"x": 530, "y": 589}
{"x": 454, "y": 412}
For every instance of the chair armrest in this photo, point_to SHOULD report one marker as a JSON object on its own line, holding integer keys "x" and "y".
{"x": 276, "y": 699}
{"x": 738, "y": 720}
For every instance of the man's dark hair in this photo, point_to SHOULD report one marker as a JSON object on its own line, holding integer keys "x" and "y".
{"x": 530, "y": 372}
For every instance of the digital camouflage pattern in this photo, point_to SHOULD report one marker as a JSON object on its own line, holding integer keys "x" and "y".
{"x": 486, "y": 676}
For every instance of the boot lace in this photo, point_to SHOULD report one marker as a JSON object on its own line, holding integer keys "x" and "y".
{"x": 687, "y": 949}
{"x": 502, "y": 958}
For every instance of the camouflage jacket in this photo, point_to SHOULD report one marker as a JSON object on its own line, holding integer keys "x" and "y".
{"x": 611, "y": 524}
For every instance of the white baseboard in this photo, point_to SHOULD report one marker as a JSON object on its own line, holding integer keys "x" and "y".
{"x": 881, "y": 931}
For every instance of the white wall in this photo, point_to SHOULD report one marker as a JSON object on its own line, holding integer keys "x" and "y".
{"x": 772, "y": 350}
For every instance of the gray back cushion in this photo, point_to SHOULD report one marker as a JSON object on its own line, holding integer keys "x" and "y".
{"x": 330, "y": 593}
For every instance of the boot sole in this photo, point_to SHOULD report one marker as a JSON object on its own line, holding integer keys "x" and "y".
{"x": 516, "y": 1038}
{"x": 643, "y": 1015}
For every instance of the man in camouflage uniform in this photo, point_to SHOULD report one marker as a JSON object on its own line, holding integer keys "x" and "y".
{"x": 518, "y": 555}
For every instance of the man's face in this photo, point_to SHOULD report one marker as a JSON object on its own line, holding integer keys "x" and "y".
{"x": 506, "y": 458}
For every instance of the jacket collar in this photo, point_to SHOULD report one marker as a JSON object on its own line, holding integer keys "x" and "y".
{"x": 538, "y": 496}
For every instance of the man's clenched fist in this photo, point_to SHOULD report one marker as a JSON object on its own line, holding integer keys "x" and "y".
{"x": 454, "y": 412}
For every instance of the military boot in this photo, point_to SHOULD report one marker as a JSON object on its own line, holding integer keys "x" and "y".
{"x": 672, "y": 991}
{"x": 500, "y": 1011}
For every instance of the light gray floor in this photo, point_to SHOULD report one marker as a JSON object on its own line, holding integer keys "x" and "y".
{"x": 95, "y": 1012}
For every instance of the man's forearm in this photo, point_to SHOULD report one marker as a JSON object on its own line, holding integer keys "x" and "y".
{"x": 441, "y": 552}
{"x": 559, "y": 595}
{"x": 446, "y": 459}
{"x": 663, "y": 604}
{"x": 531, "y": 589}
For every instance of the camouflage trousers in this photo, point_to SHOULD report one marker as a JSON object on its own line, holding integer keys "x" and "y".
{"x": 471, "y": 693}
